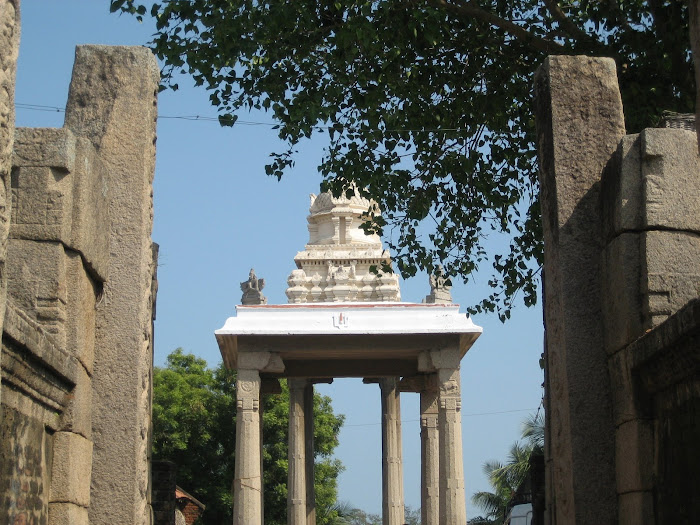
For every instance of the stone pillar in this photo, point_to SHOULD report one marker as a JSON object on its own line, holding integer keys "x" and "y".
{"x": 579, "y": 125}
{"x": 9, "y": 50}
{"x": 309, "y": 453}
{"x": 452, "y": 499}
{"x": 296, "y": 484}
{"x": 112, "y": 102}
{"x": 247, "y": 484}
{"x": 392, "y": 468}
{"x": 430, "y": 452}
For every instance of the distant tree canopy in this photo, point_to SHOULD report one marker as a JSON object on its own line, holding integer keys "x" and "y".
{"x": 194, "y": 409}
{"x": 427, "y": 103}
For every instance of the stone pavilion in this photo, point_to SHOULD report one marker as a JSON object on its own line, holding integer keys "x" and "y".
{"x": 344, "y": 319}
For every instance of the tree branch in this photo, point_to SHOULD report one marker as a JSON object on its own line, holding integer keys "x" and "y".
{"x": 469, "y": 9}
{"x": 564, "y": 21}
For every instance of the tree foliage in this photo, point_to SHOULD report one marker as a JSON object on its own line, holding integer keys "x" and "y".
{"x": 506, "y": 478}
{"x": 194, "y": 426}
{"x": 426, "y": 103}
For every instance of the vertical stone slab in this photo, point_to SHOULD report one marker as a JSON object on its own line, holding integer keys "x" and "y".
{"x": 247, "y": 483}
{"x": 112, "y": 102}
{"x": 9, "y": 50}
{"x": 430, "y": 453}
{"x": 579, "y": 125}
{"x": 392, "y": 468}
{"x": 296, "y": 450}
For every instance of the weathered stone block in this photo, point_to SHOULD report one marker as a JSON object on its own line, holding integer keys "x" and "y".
{"x": 78, "y": 414}
{"x": 653, "y": 183}
{"x": 44, "y": 147}
{"x": 37, "y": 281}
{"x": 81, "y": 298}
{"x": 636, "y": 508}
{"x": 621, "y": 299}
{"x": 626, "y": 405}
{"x": 670, "y": 273}
{"x": 671, "y": 179}
{"x": 621, "y": 193}
{"x": 634, "y": 455}
{"x": 42, "y": 201}
{"x": 61, "y": 193}
{"x": 72, "y": 465}
{"x": 67, "y": 514}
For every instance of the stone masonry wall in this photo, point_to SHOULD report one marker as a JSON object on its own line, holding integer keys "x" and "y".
{"x": 78, "y": 316}
{"x": 622, "y": 314}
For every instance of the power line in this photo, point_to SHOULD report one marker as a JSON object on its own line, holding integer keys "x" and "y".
{"x": 463, "y": 415}
{"x": 203, "y": 118}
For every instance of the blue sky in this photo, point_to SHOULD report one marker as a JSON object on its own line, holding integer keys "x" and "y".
{"x": 217, "y": 215}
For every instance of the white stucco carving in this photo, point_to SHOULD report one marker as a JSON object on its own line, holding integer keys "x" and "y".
{"x": 336, "y": 263}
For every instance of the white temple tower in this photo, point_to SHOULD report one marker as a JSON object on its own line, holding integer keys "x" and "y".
{"x": 336, "y": 264}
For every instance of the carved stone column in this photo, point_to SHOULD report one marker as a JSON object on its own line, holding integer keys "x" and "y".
{"x": 452, "y": 504}
{"x": 296, "y": 481}
{"x": 247, "y": 484}
{"x": 309, "y": 434}
{"x": 430, "y": 452}
{"x": 392, "y": 468}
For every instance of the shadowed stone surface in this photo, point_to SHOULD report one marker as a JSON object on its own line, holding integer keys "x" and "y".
{"x": 579, "y": 125}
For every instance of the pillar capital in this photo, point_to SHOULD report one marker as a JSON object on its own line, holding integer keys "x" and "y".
{"x": 260, "y": 361}
{"x": 433, "y": 360}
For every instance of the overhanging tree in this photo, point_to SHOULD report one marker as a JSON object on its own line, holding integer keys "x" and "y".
{"x": 427, "y": 103}
{"x": 194, "y": 411}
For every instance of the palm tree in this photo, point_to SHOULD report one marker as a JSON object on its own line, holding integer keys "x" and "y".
{"x": 505, "y": 478}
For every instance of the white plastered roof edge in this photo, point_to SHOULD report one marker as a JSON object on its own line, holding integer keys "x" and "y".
{"x": 349, "y": 318}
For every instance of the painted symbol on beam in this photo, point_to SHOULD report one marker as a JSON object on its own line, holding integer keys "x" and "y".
{"x": 341, "y": 320}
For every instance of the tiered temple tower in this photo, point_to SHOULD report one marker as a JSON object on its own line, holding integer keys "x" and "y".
{"x": 339, "y": 260}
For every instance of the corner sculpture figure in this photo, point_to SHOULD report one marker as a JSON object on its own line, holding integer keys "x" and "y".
{"x": 440, "y": 287}
{"x": 252, "y": 290}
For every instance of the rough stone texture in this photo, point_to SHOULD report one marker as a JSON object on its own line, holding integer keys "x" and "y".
{"x": 61, "y": 193}
{"x": 579, "y": 125}
{"x": 67, "y": 514}
{"x": 694, "y": 15}
{"x": 70, "y": 472}
{"x": 112, "y": 103}
{"x": 9, "y": 50}
{"x": 25, "y": 457}
{"x": 78, "y": 414}
{"x": 36, "y": 275}
{"x": 655, "y": 183}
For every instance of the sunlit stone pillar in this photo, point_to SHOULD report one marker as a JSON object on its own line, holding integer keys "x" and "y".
{"x": 309, "y": 434}
{"x": 430, "y": 452}
{"x": 392, "y": 469}
{"x": 247, "y": 483}
{"x": 452, "y": 504}
{"x": 296, "y": 484}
